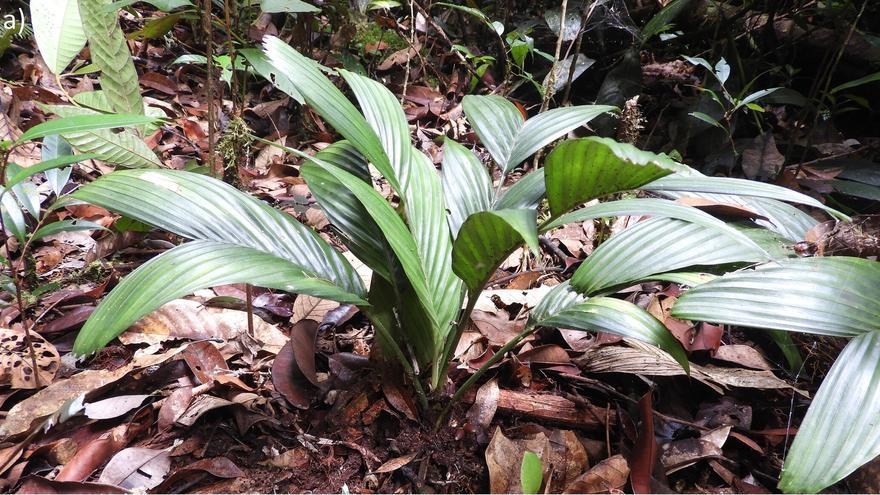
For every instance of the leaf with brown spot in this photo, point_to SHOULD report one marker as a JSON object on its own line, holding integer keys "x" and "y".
{"x": 204, "y": 360}
{"x": 16, "y": 363}
{"x": 608, "y": 476}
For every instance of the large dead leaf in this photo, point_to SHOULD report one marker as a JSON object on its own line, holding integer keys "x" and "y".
{"x": 608, "y": 476}
{"x": 185, "y": 319}
{"x": 683, "y": 453}
{"x": 114, "y": 406}
{"x": 16, "y": 362}
{"x": 761, "y": 158}
{"x": 312, "y": 308}
{"x": 497, "y": 326}
{"x": 562, "y": 453}
{"x": 137, "y": 468}
{"x": 48, "y": 400}
{"x": 640, "y": 358}
{"x": 293, "y": 372}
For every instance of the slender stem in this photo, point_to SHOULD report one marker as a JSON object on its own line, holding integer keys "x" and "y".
{"x": 209, "y": 85}
{"x": 249, "y": 306}
{"x": 388, "y": 342}
{"x": 441, "y": 368}
{"x": 480, "y": 372}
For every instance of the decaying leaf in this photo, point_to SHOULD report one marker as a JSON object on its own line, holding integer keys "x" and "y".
{"x": 185, "y": 319}
{"x": 312, "y": 308}
{"x": 114, "y": 406}
{"x": 562, "y": 453}
{"x": 683, "y": 453}
{"x": 485, "y": 404}
{"x": 16, "y": 362}
{"x": 610, "y": 475}
{"x": 137, "y": 468}
{"x": 293, "y": 372}
{"x": 396, "y": 463}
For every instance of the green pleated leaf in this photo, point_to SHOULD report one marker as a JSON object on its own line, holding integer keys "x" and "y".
{"x": 345, "y": 156}
{"x": 118, "y": 148}
{"x": 579, "y": 170}
{"x": 740, "y": 187}
{"x": 109, "y": 50}
{"x": 200, "y": 207}
{"x": 827, "y": 296}
{"x": 260, "y": 62}
{"x": 13, "y": 218}
{"x": 58, "y": 31}
{"x": 527, "y": 192}
{"x": 75, "y": 121}
{"x": 656, "y": 208}
{"x": 467, "y": 186}
{"x": 657, "y": 246}
{"x": 510, "y": 139}
{"x": 65, "y": 226}
{"x": 605, "y": 314}
{"x": 486, "y": 239}
{"x": 97, "y": 100}
{"x": 61, "y": 161}
{"x": 188, "y": 268}
{"x": 361, "y": 234}
{"x": 840, "y": 431}
{"x": 557, "y": 300}
{"x": 385, "y": 116}
{"x": 330, "y": 103}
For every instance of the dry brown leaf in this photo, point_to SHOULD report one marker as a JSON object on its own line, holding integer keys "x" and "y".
{"x": 137, "y": 468}
{"x": 504, "y": 458}
{"x": 483, "y": 409}
{"x": 114, "y": 406}
{"x": 683, "y": 453}
{"x": 761, "y": 158}
{"x": 497, "y": 326}
{"x": 297, "y": 458}
{"x": 185, "y": 319}
{"x": 396, "y": 463}
{"x": 743, "y": 355}
{"x": 610, "y": 475}
{"x": 48, "y": 400}
{"x": 312, "y": 308}
{"x": 16, "y": 362}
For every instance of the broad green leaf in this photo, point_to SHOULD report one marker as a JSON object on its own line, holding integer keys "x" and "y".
{"x": 827, "y": 296}
{"x": 531, "y": 473}
{"x": 330, "y": 103}
{"x": 722, "y": 71}
{"x": 527, "y": 192}
{"x": 345, "y": 156}
{"x": 385, "y": 116}
{"x": 840, "y": 431}
{"x": 467, "y": 186}
{"x": 261, "y": 64}
{"x": 740, "y": 187}
{"x": 47, "y": 165}
{"x": 58, "y": 31}
{"x": 757, "y": 95}
{"x": 109, "y": 50}
{"x": 511, "y": 140}
{"x": 656, "y": 246}
{"x": 554, "y": 302}
{"x": 656, "y": 208}
{"x": 606, "y": 314}
{"x": 195, "y": 206}
{"x": 707, "y": 119}
{"x": 190, "y": 267}
{"x": 856, "y": 82}
{"x": 361, "y": 234}
{"x": 74, "y": 122}
{"x": 13, "y": 218}
{"x": 661, "y": 20}
{"x": 689, "y": 279}
{"x": 119, "y": 148}
{"x": 65, "y": 226}
{"x": 486, "y": 239}
{"x": 289, "y": 6}
{"x": 163, "y": 5}
{"x": 27, "y": 195}
{"x": 579, "y": 170}
{"x": 157, "y": 27}
{"x": 97, "y": 100}
{"x": 55, "y": 147}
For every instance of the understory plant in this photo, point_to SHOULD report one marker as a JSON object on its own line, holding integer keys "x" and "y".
{"x": 433, "y": 246}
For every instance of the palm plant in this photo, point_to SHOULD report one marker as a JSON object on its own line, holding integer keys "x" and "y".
{"x": 433, "y": 252}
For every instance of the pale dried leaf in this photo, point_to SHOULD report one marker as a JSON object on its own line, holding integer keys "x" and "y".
{"x": 16, "y": 361}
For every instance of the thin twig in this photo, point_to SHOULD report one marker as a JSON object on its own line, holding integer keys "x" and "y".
{"x": 209, "y": 86}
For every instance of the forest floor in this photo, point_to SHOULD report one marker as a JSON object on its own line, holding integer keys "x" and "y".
{"x": 604, "y": 410}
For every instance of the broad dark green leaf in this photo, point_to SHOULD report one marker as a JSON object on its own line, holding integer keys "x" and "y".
{"x": 661, "y": 21}
{"x": 330, "y": 103}
{"x": 190, "y": 267}
{"x": 579, "y": 170}
{"x": 606, "y": 314}
{"x": 827, "y": 296}
{"x": 200, "y": 207}
{"x": 53, "y": 147}
{"x": 260, "y": 62}
{"x": 486, "y": 239}
{"x": 840, "y": 431}
{"x": 656, "y": 208}
{"x": 467, "y": 186}
{"x": 13, "y": 218}
{"x": 554, "y": 302}
{"x": 81, "y": 123}
{"x": 348, "y": 158}
{"x": 656, "y": 246}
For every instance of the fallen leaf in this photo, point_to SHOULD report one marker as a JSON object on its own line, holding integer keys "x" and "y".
{"x": 485, "y": 404}
{"x": 199, "y": 406}
{"x": 94, "y": 453}
{"x": 644, "y": 454}
{"x": 38, "y": 484}
{"x": 761, "y": 159}
{"x": 174, "y": 406}
{"x": 497, "y": 326}
{"x": 114, "y": 406}
{"x": 608, "y": 476}
{"x": 293, "y": 372}
{"x": 680, "y": 454}
{"x": 396, "y": 463}
{"x": 743, "y": 355}
{"x": 313, "y": 308}
{"x": 137, "y": 468}
{"x": 16, "y": 361}
{"x": 504, "y": 457}
{"x": 204, "y": 360}
{"x": 220, "y": 467}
